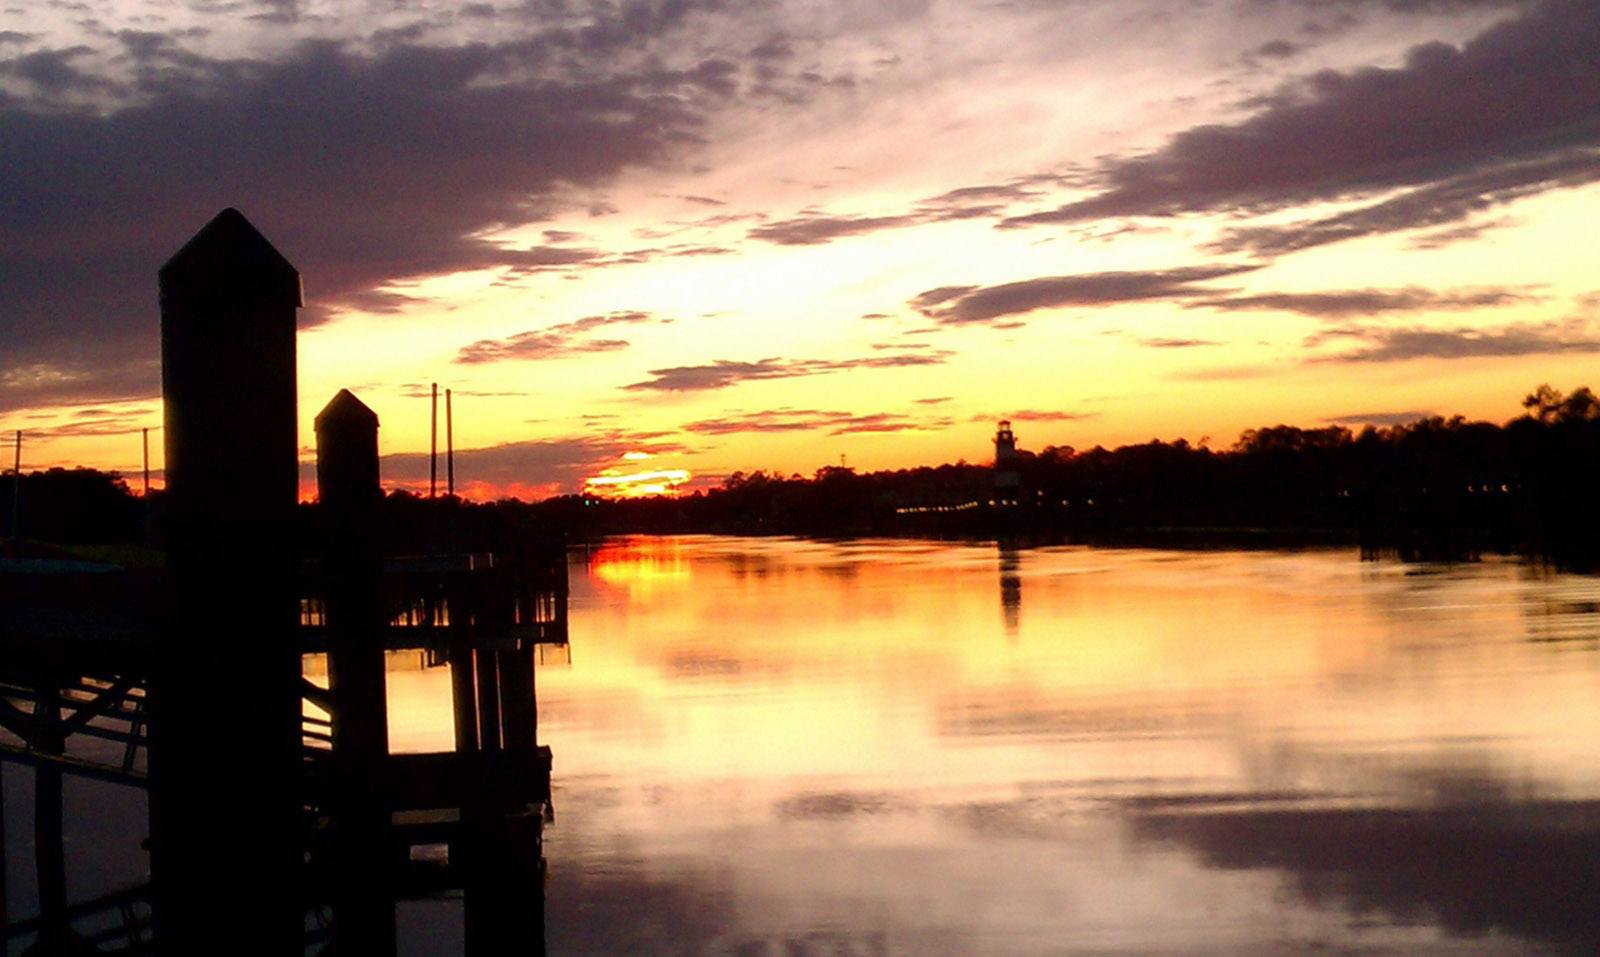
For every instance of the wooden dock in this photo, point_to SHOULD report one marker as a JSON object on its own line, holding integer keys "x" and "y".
{"x": 187, "y": 680}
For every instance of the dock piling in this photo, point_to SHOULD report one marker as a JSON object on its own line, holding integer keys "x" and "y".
{"x": 225, "y": 805}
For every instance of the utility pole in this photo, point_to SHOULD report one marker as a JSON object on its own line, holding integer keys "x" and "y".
{"x": 16, "y": 489}
{"x": 433, "y": 445}
{"x": 449, "y": 447}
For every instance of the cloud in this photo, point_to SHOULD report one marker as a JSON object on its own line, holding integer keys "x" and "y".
{"x": 101, "y": 422}
{"x": 723, "y": 373}
{"x": 955, "y": 305}
{"x": 1037, "y": 415}
{"x": 814, "y": 227}
{"x": 539, "y": 464}
{"x": 1488, "y": 865}
{"x": 366, "y": 160}
{"x": 1162, "y": 343}
{"x": 1405, "y": 417}
{"x": 1451, "y": 131}
{"x": 1450, "y": 201}
{"x": 556, "y": 342}
{"x": 811, "y": 420}
{"x": 1523, "y": 339}
{"x": 1345, "y": 303}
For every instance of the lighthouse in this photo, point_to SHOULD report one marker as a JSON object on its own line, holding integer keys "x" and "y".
{"x": 1006, "y": 479}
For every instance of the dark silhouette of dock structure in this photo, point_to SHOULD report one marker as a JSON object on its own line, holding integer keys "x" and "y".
{"x": 272, "y": 831}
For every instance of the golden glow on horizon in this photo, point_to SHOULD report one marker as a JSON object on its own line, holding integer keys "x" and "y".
{"x": 615, "y": 483}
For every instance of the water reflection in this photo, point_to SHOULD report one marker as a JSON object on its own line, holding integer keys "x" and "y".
{"x": 1010, "y": 587}
{"x": 777, "y": 746}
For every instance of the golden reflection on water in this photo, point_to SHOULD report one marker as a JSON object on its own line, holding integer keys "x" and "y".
{"x": 783, "y": 746}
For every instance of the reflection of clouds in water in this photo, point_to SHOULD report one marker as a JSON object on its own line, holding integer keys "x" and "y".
{"x": 829, "y": 805}
{"x": 1523, "y": 869}
{"x": 625, "y": 909}
{"x": 839, "y": 736}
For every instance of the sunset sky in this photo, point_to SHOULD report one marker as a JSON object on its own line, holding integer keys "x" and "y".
{"x": 719, "y": 235}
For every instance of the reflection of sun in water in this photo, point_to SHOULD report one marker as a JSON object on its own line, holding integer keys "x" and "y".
{"x": 623, "y": 481}
{"x": 639, "y": 566}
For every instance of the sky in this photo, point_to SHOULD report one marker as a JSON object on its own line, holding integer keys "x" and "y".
{"x": 694, "y": 237}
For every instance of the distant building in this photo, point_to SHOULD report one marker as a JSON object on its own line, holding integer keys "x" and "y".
{"x": 1006, "y": 480}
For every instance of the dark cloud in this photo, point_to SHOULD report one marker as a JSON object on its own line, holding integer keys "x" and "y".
{"x": 1399, "y": 345}
{"x": 814, "y": 227}
{"x": 964, "y": 304}
{"x": 1037, "y": 415}
{"x": 97, "y": 375}
{"x": 723, "y": 373}
{"x": 101, "y": 422}
{"x": 1346, "y": 303}
{"x": 554, "y": 342}
{"x": 1450, "y": 201}
{"x": 53, "y": 73}
{"x": 530, "y": 464}
{"x": 363, "y": 164}
{"x": 1160, "y": 343}
{"x": 1380, "y": 418}
{"x": 1276, "y": 50}
{"x": 811, "y": 420}
{"x": 1513, "y": 112}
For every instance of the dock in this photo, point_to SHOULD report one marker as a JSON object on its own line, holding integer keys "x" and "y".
{"x": 278, "y": 820}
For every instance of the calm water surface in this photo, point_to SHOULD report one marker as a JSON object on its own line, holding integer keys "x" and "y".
{"x": 783, "y": 747}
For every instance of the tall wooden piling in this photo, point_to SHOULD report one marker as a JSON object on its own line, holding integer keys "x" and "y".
{"x": 49, "y": 846}
{"x": 347, "y": 487}
{"x": 225, "y": 745}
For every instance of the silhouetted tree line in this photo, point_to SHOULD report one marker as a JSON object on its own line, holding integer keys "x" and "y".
{"x": 71, "y": 506}
{"x": 1437, "y": 485}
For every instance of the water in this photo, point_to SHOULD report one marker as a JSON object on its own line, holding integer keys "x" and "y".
{"x": 781, "y": 747}
{"x": 789, "y": 748}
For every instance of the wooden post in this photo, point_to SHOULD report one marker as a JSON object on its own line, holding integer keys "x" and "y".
{"x": 145, "y": 501}
{"x": 49, "y": 848}
{"x": 16, "y": 489}
{"x": 449, "y": 446}
{"x": 503, "y": 899}
{"x": 347, "y": 487}
{"x": 227, "y": 841}
{"x": 463, "y": 695}
{"x": 5, "y": 884}
{"x": 433, "y": 445}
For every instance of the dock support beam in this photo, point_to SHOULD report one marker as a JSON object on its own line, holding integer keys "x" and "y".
{"x": 347, "y": 487}
{"x": 227, "y": 835}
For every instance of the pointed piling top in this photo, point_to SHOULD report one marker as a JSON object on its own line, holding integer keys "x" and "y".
{"x": 345, "y": 410}
{"x": 228, "y": 260}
